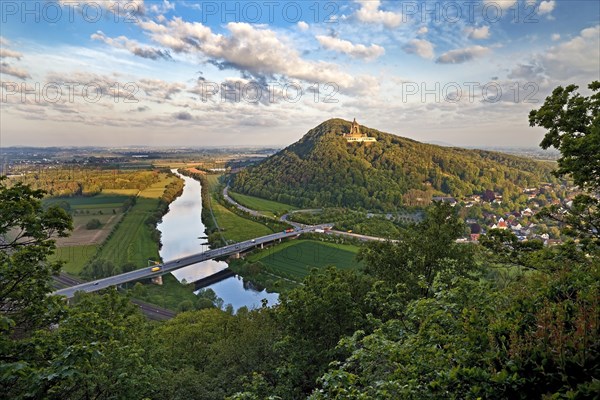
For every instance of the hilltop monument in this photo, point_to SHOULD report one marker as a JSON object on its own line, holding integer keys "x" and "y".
{"x": 356, "y": 136}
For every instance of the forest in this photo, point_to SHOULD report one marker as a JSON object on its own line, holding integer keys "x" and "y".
{"x": 322, "y": 169}
{"x": 426, "y": 318}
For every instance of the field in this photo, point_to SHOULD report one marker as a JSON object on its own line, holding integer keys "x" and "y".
{"x": 236, "y": 228}
{"x": 294, "y": 259}
{"x": 75, "y": 257}
{"x": 98, "y": 202}
{"x": 233, "y": 227}
{"x": 132, "y": 242}
{"x": 267, "y": 207}
{"x": 78, "y": 248}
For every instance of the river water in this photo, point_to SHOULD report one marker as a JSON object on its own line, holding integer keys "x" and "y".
{"x": 182, "y": 235}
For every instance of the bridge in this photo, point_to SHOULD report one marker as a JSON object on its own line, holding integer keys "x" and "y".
{"x": 170, "y": 266}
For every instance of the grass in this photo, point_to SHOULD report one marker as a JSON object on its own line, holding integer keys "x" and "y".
{"x": 294, "y": 259}
{"x": 98, "y": 201}
{"x": 75, "y": 257}
{"x": 132, "y": 242}
{"x": 236, "y": 228}
{"x": 233, "y": 227}
{"x": 268, "y": 207}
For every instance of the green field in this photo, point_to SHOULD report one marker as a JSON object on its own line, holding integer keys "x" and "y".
{"x": 75, "y": 257}
{"x": 267, "y": 207}
{"x": 236, "y": 228}
{"x": 233, "y": 227}
{"x": 295, "y": 259}
{"x": 98, "y": 201}
{"x": 132, "y": 241}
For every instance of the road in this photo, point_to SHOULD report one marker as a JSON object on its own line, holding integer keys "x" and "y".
{"x": 173, "y": 265}
{"x": 151, "y": 311}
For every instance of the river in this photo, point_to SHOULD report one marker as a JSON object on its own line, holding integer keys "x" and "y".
{"x": 182, "y": 232}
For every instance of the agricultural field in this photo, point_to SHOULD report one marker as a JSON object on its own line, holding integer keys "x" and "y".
{"x": 132, "y": 241}
{"x": 294, "y": 259}
{"x": 267, "y": 207}
{"x": 74, "y": 257}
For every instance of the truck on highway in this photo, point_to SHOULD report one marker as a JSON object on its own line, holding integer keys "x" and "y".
{"x": 319, "y": 230}
{"x": 289, "y": 230}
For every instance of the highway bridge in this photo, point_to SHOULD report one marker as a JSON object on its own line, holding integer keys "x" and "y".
{"x": 169, "y": 266}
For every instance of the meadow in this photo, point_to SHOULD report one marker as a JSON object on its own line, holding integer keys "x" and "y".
{"x": 267, "y": 207}
{"x": 295, "y": 259}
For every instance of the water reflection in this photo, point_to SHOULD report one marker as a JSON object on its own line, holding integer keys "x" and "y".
{"x": 182, "y": 232}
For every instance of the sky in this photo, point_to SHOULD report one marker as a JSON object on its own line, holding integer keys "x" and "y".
{"x": 240, "y": 73}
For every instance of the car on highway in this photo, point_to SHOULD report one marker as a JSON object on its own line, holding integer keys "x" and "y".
{"x": 155, "y": 269}
{"x": 96, "y": 283}
{"x": 253, "y": 241}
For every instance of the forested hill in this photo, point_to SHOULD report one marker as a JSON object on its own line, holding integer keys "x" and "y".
{"x": 322, "y": 169}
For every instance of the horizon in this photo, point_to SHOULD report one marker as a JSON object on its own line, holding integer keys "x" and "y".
{"x": 168, "y": 72}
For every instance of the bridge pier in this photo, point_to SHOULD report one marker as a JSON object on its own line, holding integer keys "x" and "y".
{"x": 262, "y": 245}
{"x": 157, "y": 280}
{"x": 237, "y": 256}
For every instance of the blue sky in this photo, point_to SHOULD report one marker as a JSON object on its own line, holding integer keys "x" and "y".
{"x": 121, "y": 72}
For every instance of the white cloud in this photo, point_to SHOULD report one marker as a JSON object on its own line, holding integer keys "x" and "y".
{"x": 162, "y": 8}
{"x": 247, "y": 48}
{"x": 369, "y": 12}
{"x": 422, "y": 30}
{"x": 579, "y": 56}
{"x": 368, "y": 53}
{"x": 502, "y": 4}
{"x": 303, "y": 26}
{"x": 459, "y": 56}
{"x": 4, "y": 41}
{"x": 423, "y": 48}
{"x": 11, "y": 70}
{"x": 555, "y": 37}
{"x": 546, "y": 7}
{"x": 478, "y": 33}
{"x": 132, "y": 46}
{"x": 7, "y": 53}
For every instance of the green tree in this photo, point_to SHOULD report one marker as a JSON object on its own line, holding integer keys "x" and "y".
{"x": 27, "y": 233}
{"x": 573, "y": 124}
{"x": 423, "y": 251}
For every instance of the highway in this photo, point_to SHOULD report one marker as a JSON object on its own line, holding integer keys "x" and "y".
{"x": 173, "y": 265}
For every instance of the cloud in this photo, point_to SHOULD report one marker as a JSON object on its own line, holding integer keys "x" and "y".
{"x": 422, "y": 30}
{"x": 132, "y": 46}
{"x": 7, "y": 53}
{"x": 546, "y": 7}
{"x": 502, "y": 4}
{"x": 369, "y": 12}
{"x": 128, "y": 10}
{"x": 4, "y": 41}
{"x": 183, "y": 116}
{"x": 250, "y": 49}
{"x": 368, "y": 53}
{"x": 478, "y": 33}
{"x": 303, "y": 26}
{"x": 529, "y": 72}
{"x": 555, "y": 37}
{"x": 8, "y": 69}
{"x": 460, "y": 56}
{"x": 423, "y": 48}
{"x": 578, "y": 56}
